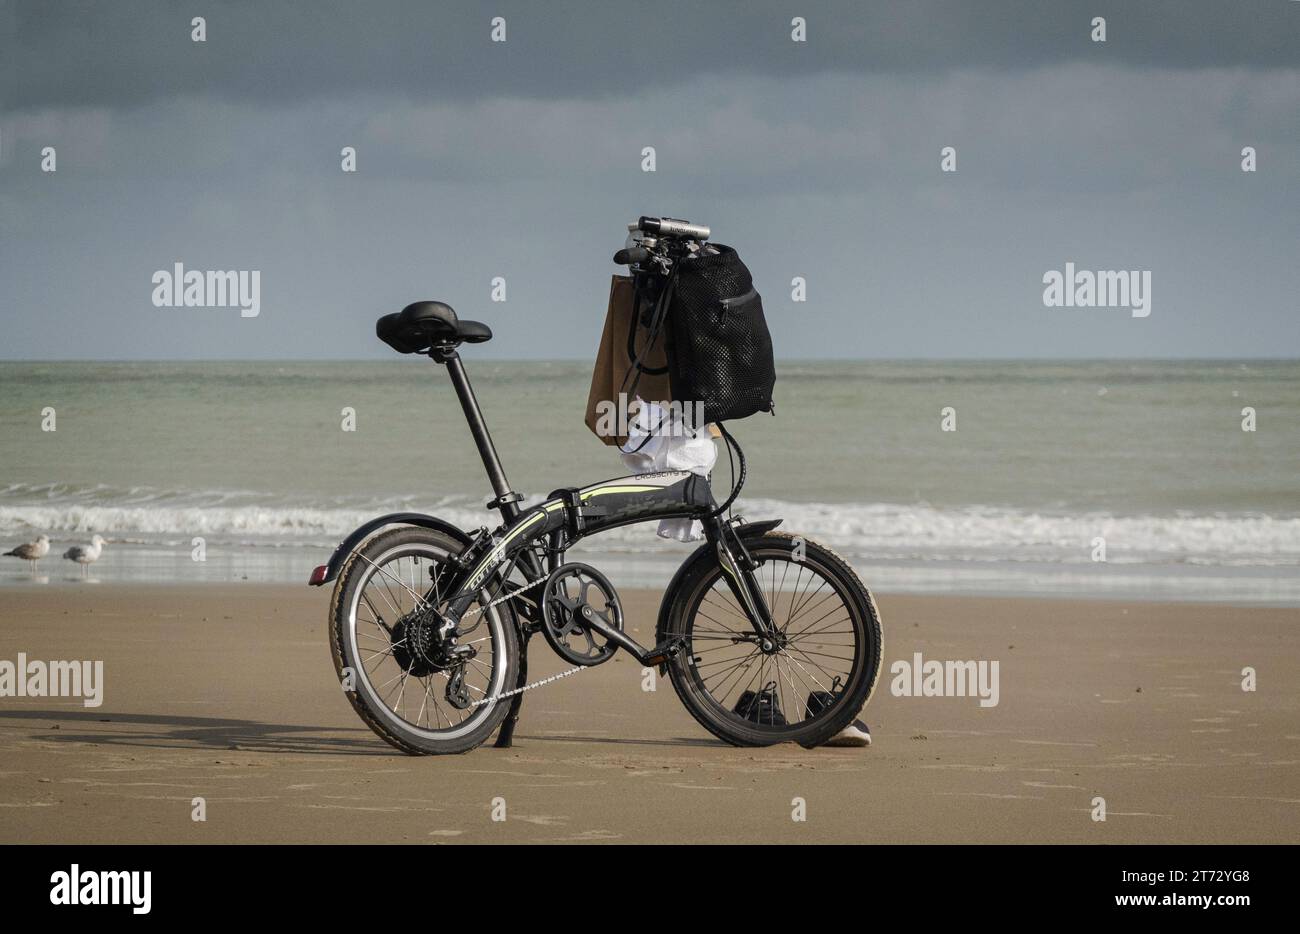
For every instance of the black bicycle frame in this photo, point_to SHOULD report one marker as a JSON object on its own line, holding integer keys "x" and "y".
{"x": 535, "y": 540}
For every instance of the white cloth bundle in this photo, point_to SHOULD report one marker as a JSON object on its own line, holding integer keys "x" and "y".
{"x": 658, "y": 439}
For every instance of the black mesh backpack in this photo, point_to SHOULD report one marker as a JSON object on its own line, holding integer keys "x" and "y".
{"x": 719, "y": 349}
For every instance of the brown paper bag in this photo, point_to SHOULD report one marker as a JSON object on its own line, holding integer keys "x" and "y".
{"x": 610, "y": 375}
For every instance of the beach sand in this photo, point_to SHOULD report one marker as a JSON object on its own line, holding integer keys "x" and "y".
{"x": 227, "y": 693}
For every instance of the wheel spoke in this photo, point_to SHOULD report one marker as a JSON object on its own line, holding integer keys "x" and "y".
{"x": 819, "y": 642}
{"x": 389, "y": 596}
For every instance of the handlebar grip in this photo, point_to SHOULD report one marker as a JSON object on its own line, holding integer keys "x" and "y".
{"x": 632, "y": 256}
{"x": 671, "y": 227}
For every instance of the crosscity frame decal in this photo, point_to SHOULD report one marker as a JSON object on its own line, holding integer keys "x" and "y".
{"x": 644, "y": 483}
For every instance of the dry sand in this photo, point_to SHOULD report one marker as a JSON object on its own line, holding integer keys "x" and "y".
{"x": 228, "y": 693}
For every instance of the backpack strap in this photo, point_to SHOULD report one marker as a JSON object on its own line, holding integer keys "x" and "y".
{"x": 654, "y": 330}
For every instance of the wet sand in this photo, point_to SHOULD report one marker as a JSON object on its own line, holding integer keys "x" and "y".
{"x": 227, "y": 693}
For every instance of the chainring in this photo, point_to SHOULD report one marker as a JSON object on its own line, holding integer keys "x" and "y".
{"x": 572, "y": 591}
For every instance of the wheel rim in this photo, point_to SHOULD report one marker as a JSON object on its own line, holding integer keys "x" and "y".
{"x": 398, "y": 692}
{"x": 823, "y": 651}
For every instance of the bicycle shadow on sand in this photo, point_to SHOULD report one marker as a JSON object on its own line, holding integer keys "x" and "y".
{"x": 173, "y": 732}
{"x": 578, "y": 738}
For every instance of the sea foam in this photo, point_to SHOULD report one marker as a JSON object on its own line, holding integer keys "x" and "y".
{"x": 878, "y": 531}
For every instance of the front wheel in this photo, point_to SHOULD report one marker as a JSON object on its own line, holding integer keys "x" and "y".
{"x": 419, "y": 699}
{"x": 811, "y": 682}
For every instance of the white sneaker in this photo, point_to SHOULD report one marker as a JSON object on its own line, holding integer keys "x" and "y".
{"x": 855, "y": 734}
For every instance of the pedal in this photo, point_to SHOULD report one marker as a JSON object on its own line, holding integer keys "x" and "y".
{"x": 661, "y": 654}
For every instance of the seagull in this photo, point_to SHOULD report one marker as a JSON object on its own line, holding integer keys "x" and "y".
{"x": 32, "y": 551}
{"x": 85, "y": 555}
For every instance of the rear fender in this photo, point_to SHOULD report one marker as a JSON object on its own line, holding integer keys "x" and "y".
{"x": 330, "y": 570}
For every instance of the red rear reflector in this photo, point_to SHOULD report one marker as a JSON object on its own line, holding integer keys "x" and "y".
{"x": 318, "y": 576}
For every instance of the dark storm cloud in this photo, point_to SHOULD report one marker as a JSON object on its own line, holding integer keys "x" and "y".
{"x": 524, "y": 161}
{"x": 91, "y": 54}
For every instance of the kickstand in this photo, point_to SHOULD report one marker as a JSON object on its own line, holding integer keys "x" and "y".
{"x": 506, "y": 735}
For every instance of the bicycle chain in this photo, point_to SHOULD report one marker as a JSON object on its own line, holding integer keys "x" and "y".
{"x": 483, "y": 609}
{"x": 527, "y": 687}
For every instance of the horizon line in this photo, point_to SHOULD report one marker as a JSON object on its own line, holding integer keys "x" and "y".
{"x": 390, "y": 359}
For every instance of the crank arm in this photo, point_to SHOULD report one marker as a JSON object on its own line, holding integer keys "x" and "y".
{"x": 648, "y": 657}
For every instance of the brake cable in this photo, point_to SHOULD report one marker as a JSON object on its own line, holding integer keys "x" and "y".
{"x": 739, "y": 481}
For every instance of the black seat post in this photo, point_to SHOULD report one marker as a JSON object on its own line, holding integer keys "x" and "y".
{"x": 506, "y": 499}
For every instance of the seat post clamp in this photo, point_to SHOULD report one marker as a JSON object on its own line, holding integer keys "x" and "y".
{"x": 504, "y": 499}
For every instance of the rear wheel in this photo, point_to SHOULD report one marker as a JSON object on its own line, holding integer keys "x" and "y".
{"x": 415, "y": 696}
{"x": 812, "y": 682}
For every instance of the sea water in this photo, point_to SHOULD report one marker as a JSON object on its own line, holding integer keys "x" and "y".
{"x": 1132, "y": 479}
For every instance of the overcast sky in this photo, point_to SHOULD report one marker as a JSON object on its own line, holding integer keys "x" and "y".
{"x": 522, "y": 159}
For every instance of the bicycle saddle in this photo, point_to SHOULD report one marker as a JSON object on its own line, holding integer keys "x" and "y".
{"x": 421, "y": 325}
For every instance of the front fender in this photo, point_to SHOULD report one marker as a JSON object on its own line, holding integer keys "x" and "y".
{"x": 330, "y": 570}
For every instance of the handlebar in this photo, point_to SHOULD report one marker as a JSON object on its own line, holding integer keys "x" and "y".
{"x": 660, "y": 240}
{"x": 671, "y": 227}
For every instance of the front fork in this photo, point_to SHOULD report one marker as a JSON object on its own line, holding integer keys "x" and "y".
{"x": 738, "y": 568}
